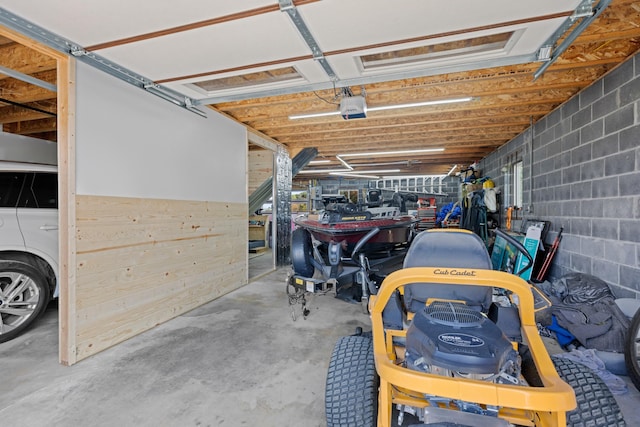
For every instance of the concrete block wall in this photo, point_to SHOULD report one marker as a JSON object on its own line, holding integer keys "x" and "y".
{"x": 582, "y": 164}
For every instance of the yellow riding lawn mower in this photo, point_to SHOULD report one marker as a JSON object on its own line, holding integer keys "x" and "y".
{"x": 454, "y": 343}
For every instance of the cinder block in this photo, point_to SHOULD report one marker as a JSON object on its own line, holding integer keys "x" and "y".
{"x": 571, "y": 174}
{"x": 623, "y": 74}
{"x": 629, "y": 138}
{"x": 570, "y": 208}
{"x": 619, "y": 119}
{"x": 620, "y": 252}
{"x": 630, "y": 230}
{"x": 605, "y": 228}
{"x": 580, "y": 263}
{"x": 620, "y": 163}
{"x": 581, "y": 190}
{"x": 592, "y": 170}
{"x": 581, "y": 154}
{"x": 629, "y": 184}
{"x": 591, "y": 94}
{"x": 570, "y": 107}
{"x": 630, "y": 92}
{"x": 607, "y": 271}
{"x": 581, "y": 118}
{"x": 605, "y": 105}
{"x": 571, "y": 140}
{"x": 592, "y": 208}
{"x": 630, "y": 277}
{"x": 580, "y": 226}
{"x": 593, "y": 248}
{"x": 605, "y": 146}
{"x": 605, "y": 187}
{"x": 592, "y": 131}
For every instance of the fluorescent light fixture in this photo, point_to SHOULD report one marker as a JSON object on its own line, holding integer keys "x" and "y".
{"x": 318, "y": 162}
{"x": 354, "y": 175}
{"x": 452, "y": 169}
{"x": 347, "y": 165}
{"x": 393, "y": 153}
{"x": 386, "y": 107}
{"x": 324, "y": 170}
{"x": 371, "y": 171}
{"x": 421, "y": 104}
{"x": 312, "y": 115}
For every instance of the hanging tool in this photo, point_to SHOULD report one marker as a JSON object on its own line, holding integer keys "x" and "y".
{"x": 509, "y": 214}
{"x": 547, "y": 261}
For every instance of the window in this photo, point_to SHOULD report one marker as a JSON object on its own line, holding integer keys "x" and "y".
{"x": 10, "y": 186}
{"x": 448, "y": 50}
{"x": 41, "y": 191}
{"x": 278, "y": 75}
{"x": 351, "y": 195}
{"x": 517, "y": 184}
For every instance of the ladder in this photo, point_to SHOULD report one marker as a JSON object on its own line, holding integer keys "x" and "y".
{"x": 420, "y": 184}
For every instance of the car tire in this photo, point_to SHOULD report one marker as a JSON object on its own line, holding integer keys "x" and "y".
{"x": 24, "y": 294}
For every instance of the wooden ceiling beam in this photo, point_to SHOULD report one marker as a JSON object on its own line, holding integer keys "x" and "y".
{"x": 22, "y": 92}
{"x": 12, "y": 114}
{"x": 31, "y": 127}
{"x": 25, "y": 60}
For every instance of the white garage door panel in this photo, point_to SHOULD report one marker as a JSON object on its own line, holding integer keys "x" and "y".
{"x": 132, "y": 144}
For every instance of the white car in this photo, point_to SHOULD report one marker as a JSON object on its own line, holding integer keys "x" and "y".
{"x": 28, "y": 244}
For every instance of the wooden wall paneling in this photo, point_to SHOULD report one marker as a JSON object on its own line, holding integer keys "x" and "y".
{"x": 142, "y": 262}
{"x": 260, "y": 168}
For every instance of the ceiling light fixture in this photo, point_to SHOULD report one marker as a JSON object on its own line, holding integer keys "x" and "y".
{"x": 392, "y": 153}
{"x": 324, "y": 170}
{"x": 347, "y": 165}
{"x": 385, "y": 107}
{"x": 371, "y": 171}
{"x": 318, "y": 162}
{"x": 421, "y": 104}
{"x": 354, "y": 175}
{"x": 312, "y": 115}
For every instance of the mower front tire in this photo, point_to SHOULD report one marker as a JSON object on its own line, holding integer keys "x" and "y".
{"x": 596, "y": 405}
{"x": 351, "y": 396}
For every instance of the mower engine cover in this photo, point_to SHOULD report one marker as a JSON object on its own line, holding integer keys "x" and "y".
{"x": 453, "y": 336}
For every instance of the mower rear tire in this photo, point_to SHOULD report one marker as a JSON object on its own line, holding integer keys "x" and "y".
{"x": 351, "y": 397}
{"x": 632, "y": 350}
{"x": 596, "y": 405}
{"x": 302, "y": 252}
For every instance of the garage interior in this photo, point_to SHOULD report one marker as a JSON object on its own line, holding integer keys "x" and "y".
{"x": 168, "y": 119}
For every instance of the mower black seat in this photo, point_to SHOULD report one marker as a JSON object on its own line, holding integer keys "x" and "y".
{"x": 447, "y": 249}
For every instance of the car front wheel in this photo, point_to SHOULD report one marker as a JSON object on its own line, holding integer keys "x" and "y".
{"x": 24, "y": 294}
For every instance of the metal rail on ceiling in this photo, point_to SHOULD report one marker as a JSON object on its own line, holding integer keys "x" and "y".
{"x": 584, "y": 11}
{"x": 68, "y": 47}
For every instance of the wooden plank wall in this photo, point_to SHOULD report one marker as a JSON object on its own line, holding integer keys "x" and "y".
{"x": 141, "y": 262}
{"x": 260, "y": 168}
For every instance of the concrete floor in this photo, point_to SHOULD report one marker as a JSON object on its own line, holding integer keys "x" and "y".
{"x": 238, "y": 361}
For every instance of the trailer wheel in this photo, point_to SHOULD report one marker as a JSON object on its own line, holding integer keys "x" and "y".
{"x": 351, "y": 396}
{"x": 301, "y": 252}
{"x": 596, "y": 404}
